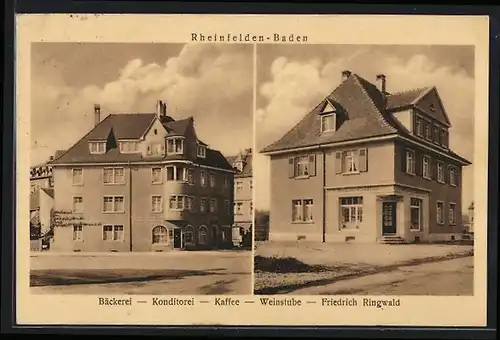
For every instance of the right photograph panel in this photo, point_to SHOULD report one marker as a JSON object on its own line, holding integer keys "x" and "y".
{"x": 363, "y": 174}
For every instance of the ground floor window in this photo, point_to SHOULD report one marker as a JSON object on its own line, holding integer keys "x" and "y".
{"x": 77, "y": 233}
{"x": 160, "y": 235}
{"x": 416, "y": 214}
{"x": 203, "y": 235}
{"x": 112, "y": 232}
{"x": 189, "y": 235}
{"x": 452, "y": 214}
{"x": 302, "y": 210}
{"x": 439, "y": 212}
{"x": 351, "y": 209}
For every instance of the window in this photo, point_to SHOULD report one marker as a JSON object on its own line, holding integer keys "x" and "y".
{"x": 444, "y": 142}
{"x": 128, "y": 146}
{"x": 112, "y": 233}
{"x": 452, "y": 214}
{"x": 251, "y": 184}
{"x": 77, "y": 204}
{"x": 302, "y": 169}
{"x": 190, "y": 176}
{"x": 227, "y": 207}
{"x": 226, "y": 182}
{"x": 113, "y": 176}
{"x": 302, "y": 210}
{"x": 177, "y": 173}
{"x": 426, "y": 164}
{"x": 190, "y": 203}
{"x": 188, "y": 235}
{"x": 160, "y": 235}
{"x": 213, "y": 205}
{"x": 77, "y": 233}
{"x": 156, "y": 176}
{"x": 440, "y": 172}
{"x": 453, "y": 177}
{"x": 439, "y": 212}
{"x": 203, "y": 205}
{"x": 156, "y": 149}
{"x": 239, "y": 186}
{"x": 212, "y": 179}
{"x": 351, "y": 209}
{"x": 238, "y": 208}
{"x": 97, "y": 147}
{"x": 113, "y": 204}
{"x": 156, "y": 204}
{"x": 175, "y": 146}
{"x": 203, "y": 235}
{"x": 238, "y": 166}
{"x": 415, "y": 214}
{"x": 410, "y": 162}
{"x": 203, "y": 178}
{"x": 202, "y": 151}
{"x": 177, "y": 202}
{"x": 328, "y": 122}
{"x": 77, "y": 176}
{"x": 251, "y": 208}
{"x": 418, "y": 126}
{"x": 436, "y": 134}
{"x": 350, "y": 161}
{"x": 428, "y": 132}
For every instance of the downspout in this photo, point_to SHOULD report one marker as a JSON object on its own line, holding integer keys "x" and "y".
{"x": 130, "y": 204}
{"x": 323, "y": 193}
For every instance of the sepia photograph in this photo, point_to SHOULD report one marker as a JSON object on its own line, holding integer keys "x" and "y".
{"x": 363, "y": 170}
{"x": 141, "y": 168}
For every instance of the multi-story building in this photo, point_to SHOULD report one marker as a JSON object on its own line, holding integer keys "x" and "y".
{"x": 366, "y": 165}
{"x": 243, "y": 204}
{"x": 141, "y": 182}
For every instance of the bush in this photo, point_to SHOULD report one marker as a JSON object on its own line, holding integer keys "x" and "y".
{"x": 285, "y": 265}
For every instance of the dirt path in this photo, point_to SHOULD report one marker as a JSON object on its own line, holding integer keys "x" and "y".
{"x": 445, "y": 278}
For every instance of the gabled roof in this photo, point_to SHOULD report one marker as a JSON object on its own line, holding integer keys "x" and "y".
{"x": 133, "y": 126}
{"x": 246, "y": 159}
{"x": 360, "y": 105}
{"x": 363, "y": 113}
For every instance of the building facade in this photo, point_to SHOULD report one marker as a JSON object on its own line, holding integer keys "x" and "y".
{"x": 243, "y": 193}
{"x": 367, "y": 166}
{"x": 142, "y": 182}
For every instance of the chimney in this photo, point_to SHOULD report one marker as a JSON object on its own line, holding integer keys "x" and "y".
{"x": 345, "y": 75}
{"x": 159, "y": 108}
{"x": 97, "y": 114}
{"x": 381, "y": 82}
{"x": 164, "y": 109}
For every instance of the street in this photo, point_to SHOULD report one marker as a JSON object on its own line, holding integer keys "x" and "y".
{"x": 445, "y": 278}
{"x": 222, "y": 272}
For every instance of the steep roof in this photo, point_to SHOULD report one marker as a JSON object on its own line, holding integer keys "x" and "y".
{"x": 246, "y": 158}
{"x": 132, "y": 126}
{"x": 49, "y": 191}
{"x": 362, "y": 113}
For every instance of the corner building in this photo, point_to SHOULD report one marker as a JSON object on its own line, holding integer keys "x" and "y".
{"x": 141, "y": 182}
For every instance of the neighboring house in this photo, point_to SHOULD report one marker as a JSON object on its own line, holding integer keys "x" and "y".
{"x": 40, "y": 177}
{"x": 243, "y": 206}
{"x": 470, "y": 228}
{"x": 141, "y": 182}
{"x": 366, "y": 166}
{"x": 41, "y": 205}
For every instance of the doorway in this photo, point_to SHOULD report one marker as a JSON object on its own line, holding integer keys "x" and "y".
{"x": 178, "y": 238}
{"x": 389, "y": 226}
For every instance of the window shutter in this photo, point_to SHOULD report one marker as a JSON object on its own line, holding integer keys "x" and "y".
{"x": 418, "y": 164}
{"x": 446, "y": 170}
{"x": 312, "y": 165}
{"x": 363, "y": 159}
{"x": 457, "y": 175}
{"x": 338, "y": 162}
{"x": 291, "y": 167}
{"x": 403, "y": 161}
{"x": 433, "y": 168}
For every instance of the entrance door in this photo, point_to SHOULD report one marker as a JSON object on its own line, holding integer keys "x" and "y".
{"x": 388, "y": 218}
{"x": 177, "y": 238}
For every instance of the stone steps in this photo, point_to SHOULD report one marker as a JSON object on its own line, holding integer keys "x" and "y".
{"x": 392, "y": 240}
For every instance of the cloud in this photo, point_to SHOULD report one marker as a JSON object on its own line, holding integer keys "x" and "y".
{"x": 212, "y": 83}
{"x": 294, "y": 88}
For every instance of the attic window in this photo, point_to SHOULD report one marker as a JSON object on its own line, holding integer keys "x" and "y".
{"x": 328, "y": 122}
{"x": 97, "y": 147}
{"x": 202, "y": 151}
{"x": 175, "y": 146}
{"x": 432, "y": 107}
{"x": 128, "y": 146}
{"x": 155, "y": 131}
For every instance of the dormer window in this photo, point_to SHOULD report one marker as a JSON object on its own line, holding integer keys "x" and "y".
{"x": 175, "y": 146}
{"x": 97, "y": 147}
{"x": 202, "y": 151}
{"x": 328, "y": 122}
{"x": 128, "y": 146}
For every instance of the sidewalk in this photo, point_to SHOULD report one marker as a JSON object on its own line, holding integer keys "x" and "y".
{"x": 223, "y": 253}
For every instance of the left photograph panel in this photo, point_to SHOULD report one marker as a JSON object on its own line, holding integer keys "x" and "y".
{"x": 139, "y": 158}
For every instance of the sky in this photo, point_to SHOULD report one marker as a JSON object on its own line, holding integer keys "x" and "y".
{"x": 213, "y": 83}
{"x": 292, "y": 80}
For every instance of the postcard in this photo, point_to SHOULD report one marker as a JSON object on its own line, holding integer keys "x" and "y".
{"x": 258, "y": 170}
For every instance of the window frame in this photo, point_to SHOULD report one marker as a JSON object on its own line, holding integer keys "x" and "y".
{"x": 73, "y": 176}
{"x": 113, "y": 233}
{"x": 98, "y": 150}
{"x": 153, "y": 177}
{"x": 440, "y": 174}
{"x": 201, "y": 151}
{"x": 333, "y": 117}
{"x": 214, "y": 209}
{"x": 357, "y": 203}
{"x": 426, "y": 175}
{"x": 113, "y": 171}
{"x": 299, "y": 205}
{"x": 438, "y": 204}
{"x": 412, "y": 162}
{"x": 161, "y": 204}
{"x": 453, "y": 170}
{"x": 452, "y": 222}
{"x": 78, "y": 233}
{"x": 175, "y": 140}
{"x": 418, "y": 206}
{"x": 159, "y": 235}
{"x": 113, "y": 197}
{"x": 73, "y": 207}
